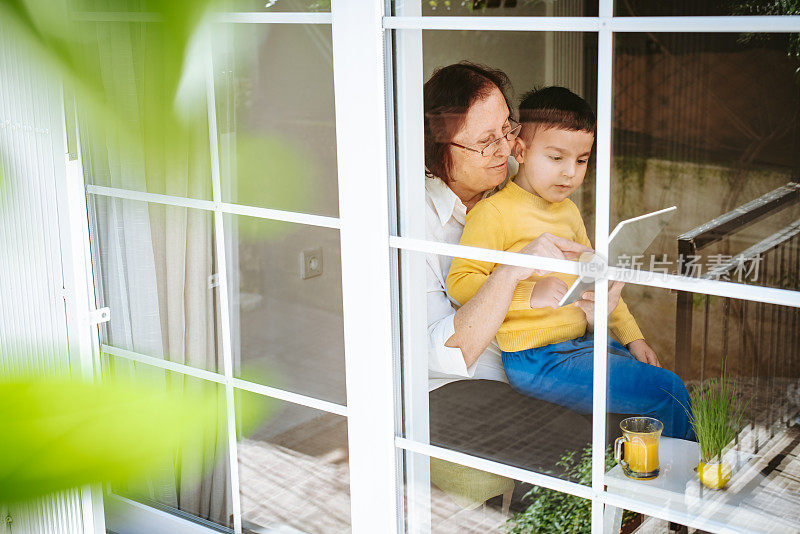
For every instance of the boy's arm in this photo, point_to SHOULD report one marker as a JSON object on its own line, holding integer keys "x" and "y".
{"x": 483, "y": 228}
{"x": 580, "y": 232}
{"x": 623, "y": 325}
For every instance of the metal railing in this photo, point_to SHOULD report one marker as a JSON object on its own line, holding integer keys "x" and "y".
{"x": 760, "y": 343}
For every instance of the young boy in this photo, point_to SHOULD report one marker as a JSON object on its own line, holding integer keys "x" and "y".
{"x": 547, "y": 351}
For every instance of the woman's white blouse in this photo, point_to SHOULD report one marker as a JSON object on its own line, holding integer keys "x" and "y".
{"x": 444, "y": 219}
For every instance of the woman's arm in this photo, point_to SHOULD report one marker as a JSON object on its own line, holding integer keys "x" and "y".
{"x": 477, "y": 321}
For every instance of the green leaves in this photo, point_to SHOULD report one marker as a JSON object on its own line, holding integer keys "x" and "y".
{"x": 771, "y": 8}
{"x": 59, "y": 434}
{"x": 553, "y": 512}
{"x": 273, "y": 171}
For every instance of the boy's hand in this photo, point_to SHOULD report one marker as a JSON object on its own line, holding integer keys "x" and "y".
{"x": 549, "y": 246}
{"x": 587, "y": 302}
{"x": 642, "y": 352}
{"x": 547, "y": 292}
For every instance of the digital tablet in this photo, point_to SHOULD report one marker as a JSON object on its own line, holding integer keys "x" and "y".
{"x": 630, "y": 238}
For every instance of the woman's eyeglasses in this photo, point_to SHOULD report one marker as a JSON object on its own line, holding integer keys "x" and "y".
{"x": 492, "y": 147}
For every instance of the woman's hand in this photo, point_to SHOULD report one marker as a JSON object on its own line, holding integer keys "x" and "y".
{"x": 549, "y": 246}
{"x": 547, "y": 292}
{"x": 642, "y": 352}
{"x": 587, "y": 302}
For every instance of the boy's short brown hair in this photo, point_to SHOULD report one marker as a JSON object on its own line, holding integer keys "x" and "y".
{"x": 555, "y": 107}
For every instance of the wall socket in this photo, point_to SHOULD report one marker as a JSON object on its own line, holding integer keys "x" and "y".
{"x": 311, "y": 263}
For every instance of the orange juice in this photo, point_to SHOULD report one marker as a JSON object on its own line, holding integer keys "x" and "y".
{"x": 641, "y": 453}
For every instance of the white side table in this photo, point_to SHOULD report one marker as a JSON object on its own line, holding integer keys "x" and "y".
{"x": 681, "y": 498}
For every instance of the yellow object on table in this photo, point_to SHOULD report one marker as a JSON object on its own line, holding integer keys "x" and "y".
{"x": 716, "y": 475}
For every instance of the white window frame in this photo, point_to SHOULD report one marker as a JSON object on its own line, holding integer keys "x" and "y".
{"x": 125, "y": 510}
{"x": 368, "y": 82}
{"x": 605, "y": 25}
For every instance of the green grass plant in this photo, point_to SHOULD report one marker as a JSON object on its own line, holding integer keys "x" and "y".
{"x": 716, "y": 416}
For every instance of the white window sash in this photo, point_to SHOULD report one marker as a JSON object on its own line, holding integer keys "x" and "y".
{"x": 754, "y": 293}
{"x": 212, "y": 205}
{"x": 605, "y": 88}
{"x": 220, "y": 378}
{"x": 722, "y": 24}
{"x": 408, "y": 81}
{"x": 605, "y": 25}
{"x": 223, "y": 286}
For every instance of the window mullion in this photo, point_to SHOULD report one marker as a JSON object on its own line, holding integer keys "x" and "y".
{"x": 360, "y": 99}
{"x": 605, "y": 65}
{"x": 413, "y": 304}
{"x": 224, "y": 313}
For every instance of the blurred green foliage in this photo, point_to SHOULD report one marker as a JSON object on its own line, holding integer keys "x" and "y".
{"x": 139, "y": 71}
{"x": 59, "y": 434}
{"x": 60, "y": 35}
{"x": 139, "y": 81}
{"x": 290, "y": 188}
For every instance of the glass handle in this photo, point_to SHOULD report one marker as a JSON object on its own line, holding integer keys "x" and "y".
{"x": 619, "y": 451}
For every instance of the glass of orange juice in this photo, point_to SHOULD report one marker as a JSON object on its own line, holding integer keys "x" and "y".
{"x": 637, "y": 450}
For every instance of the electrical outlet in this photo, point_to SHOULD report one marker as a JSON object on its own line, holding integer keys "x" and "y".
{"x": 310, "y": 263}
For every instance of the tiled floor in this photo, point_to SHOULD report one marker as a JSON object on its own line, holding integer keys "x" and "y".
{"x": 300, "y": 479}
{"x": 308, "y": 491}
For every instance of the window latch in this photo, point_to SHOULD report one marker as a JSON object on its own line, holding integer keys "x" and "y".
{"x": 99, "y": 316}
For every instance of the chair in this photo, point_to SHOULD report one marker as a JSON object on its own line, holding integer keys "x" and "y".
{"x": 468, "y": 487}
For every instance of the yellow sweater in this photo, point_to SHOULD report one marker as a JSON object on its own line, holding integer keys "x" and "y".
{"x": 509, "y": 220}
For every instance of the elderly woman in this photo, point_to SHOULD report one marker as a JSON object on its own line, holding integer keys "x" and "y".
{"x": 469, "y": 136}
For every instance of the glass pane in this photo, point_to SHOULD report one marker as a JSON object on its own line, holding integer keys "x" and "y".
{"x": 286, "y": 312}
{"x": 461, "y": 499}
{"x": 525, "y": 208}
{"x": 570, "y": 62}
{"x": 153, "y": 268}
{"x": 525, "y": 401}
{"x": 709, "y": 123}
{"x": 278, "y": 6}
{"x": 502, "y": 8}
{"x": 562, "y": 58}
{"x": 196, "y": 481}
{"x": 275, "y": 117}
{"x": 648, "y": 8}
{"x": 137, "y": 137}
{"x": 293, "y": 469}
{"x": 741, "y": 371}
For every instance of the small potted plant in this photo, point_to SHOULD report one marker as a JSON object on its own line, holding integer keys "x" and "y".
{"x": 716, "y": 418}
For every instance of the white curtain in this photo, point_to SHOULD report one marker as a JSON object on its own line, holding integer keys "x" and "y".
{"x": 156, "y": 261}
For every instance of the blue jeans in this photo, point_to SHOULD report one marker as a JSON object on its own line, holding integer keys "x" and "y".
{"x": 562, "y": 373}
